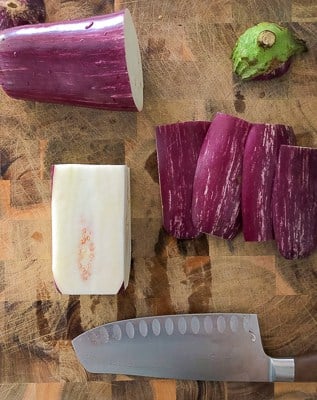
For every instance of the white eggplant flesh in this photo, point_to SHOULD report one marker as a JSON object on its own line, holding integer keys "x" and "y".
{"x": 91, "y": 228}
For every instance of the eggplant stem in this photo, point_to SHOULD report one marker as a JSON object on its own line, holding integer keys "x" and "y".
{"x": 12, "y": 5}
{"x": 266, "y": 39}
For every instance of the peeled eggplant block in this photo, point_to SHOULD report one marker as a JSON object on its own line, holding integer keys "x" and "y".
{"x": 91, "y": 238}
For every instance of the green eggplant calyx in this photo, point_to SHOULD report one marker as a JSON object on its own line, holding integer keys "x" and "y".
{"x": 263, "y": 48}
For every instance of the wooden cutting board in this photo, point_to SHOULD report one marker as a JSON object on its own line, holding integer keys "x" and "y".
{"x": 186, "y": 47}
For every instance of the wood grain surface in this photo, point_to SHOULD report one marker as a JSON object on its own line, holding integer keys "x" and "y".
{"x": 186, "y": 47}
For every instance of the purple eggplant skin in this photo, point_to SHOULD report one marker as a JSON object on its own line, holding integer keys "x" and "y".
{"x": 178, "y": 146}
{"x": 276, "y": 73}
{"x": 80, "y": 62}
{"x": 259, "y": 166}
{"x": 217, "y": 183}
{"x": 21, "y": 12}
{"x": 295, "y": 201}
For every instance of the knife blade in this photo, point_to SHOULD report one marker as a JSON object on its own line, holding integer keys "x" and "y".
{"x": 213, "y": 347}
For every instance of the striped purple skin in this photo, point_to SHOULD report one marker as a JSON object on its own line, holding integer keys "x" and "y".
{"x": 178, "y": 146}
{"x": 259, "y": 166}
{"x": 21, "y": 12}
{"x": 218, "y": 177}
{"x": 295, "y": 201}
{"x": 74, "y": 62}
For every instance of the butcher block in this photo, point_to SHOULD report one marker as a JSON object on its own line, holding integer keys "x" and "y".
{"x": 185, "y": 49}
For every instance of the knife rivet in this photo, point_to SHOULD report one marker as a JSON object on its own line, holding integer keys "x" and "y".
{"x": 169, "y": 326}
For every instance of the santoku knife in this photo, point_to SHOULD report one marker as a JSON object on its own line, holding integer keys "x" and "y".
{"x": 216, "y": 347}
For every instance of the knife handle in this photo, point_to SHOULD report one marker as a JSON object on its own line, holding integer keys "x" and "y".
{"x": 306, "y": 368}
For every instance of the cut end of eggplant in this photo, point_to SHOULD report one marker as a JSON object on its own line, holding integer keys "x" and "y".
{"x": 133, "y": 60}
